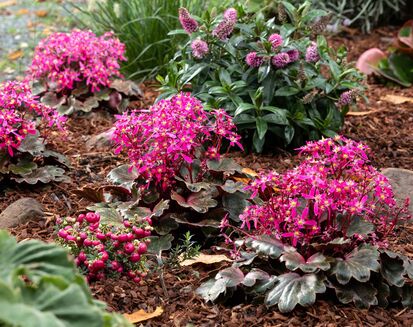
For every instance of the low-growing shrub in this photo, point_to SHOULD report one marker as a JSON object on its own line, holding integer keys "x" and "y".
{"x": 110, "y": 248}
{"x": 79, "y": 71}
{"x": 279, "y": 83}
{"x": 41, "y": 287}
{"x": 23, "y": 153}
{"x": 176, "y": 173}
{"x": 323, "y": 225}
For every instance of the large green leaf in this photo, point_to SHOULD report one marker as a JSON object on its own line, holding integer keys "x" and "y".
{"x": 22, "y": 167}
{"x": 392, "y": 268}
{"x": 266, "y": 245}
{"x": 235, "y": 204}
{"x": 52, "y": 303}
{"x": 359, "y": 226}
{"x": 33, "y": 144}
{"x": 32, "y": 258}
{"x": 358, "y": 264}
{"x": 224, "y": 165}
{"x": 294, "y": 260}
{"x": 362, "y": 294}
{"x": 292, "y": 289}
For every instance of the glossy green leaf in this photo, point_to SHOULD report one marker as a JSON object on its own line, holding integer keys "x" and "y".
{"x": 123, "y": 176}
{"x": 294, "y": 260}
{"x": 266, "y": 245}
{"x": 200, "y": 201}
{"x": 363, "y": 295}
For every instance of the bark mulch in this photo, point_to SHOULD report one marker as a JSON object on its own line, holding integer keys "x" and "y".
{"x": 388, "y": 130}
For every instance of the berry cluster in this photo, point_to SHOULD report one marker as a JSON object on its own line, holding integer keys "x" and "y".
{"x": 63, "y": 59}
{"x": 317, "y": 201}
{"x": 103, "y": 249}
{"x": 16, "y": 101}
{"x": 171, "y": 135}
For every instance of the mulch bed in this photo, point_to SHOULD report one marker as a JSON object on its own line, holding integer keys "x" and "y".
{"x": 387, "y": 129}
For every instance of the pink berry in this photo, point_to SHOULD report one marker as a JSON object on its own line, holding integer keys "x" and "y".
{"x": 100, "y": 236}
{"x": 62, "y": 233}
{"x": 129, "y": 248}
{"x": 87, "y": 242}
{"x": 142, "y": 248}
{"x": 123, "y": 238}
{"x": 80, "y": 218}
{"x": 82, "y": 256}
{"x": 126, "y": 223}
{"x": 135, "y": 257}
{"x": 137, "y": 280}
{"x": 98, "y": 264}
{"x": 139, "y": 232}
{"x": 105, "y": 256}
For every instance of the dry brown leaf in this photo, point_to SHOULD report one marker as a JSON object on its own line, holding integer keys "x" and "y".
{"x": 142, "y": 315}
{"x": 22, "y": 11}
{"x": 396, "y": 99}
{"x": 41, "y": 13}
{"x": 207, "y": 259}
{"x": 249, "y": 171}
{"x": 15, "y": 55}
{"x": 5, "y": 4}
{"x": 360, "y": 113}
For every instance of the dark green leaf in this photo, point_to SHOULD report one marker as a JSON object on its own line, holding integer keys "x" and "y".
{"x": 266, "y": 245}
{"x": 294, "y": 260}
{"x": 362, "y": 294}
{"x": 200, "y": 201}
{"x": 357, "y": 265}
{"x": 392, "y": 269}
{"x": 292, "y": 289}
{"x": 123, "y": 176}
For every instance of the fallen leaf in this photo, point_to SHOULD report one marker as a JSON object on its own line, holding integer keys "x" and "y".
{"x": 5, "y": 4}
{"x": 22, "y": 11}
{"x": 15, "y": 55}
{"x": 41, "y": 13}
{"x": 396, "y": 99}
{"x": 250, "y": 172}
{"x": 360, "y": 113}
{"x": 142, "y": 315}
{"x": 207, "y": 259}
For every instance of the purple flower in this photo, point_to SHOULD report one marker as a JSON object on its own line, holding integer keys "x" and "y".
{"x": 276, "y": 40}
{"x": 231, "y": 14}
{"x": 223, "y": 30}
{"x": 281, "y": 60}
{"x": 199, "y": 48}
{"x": 253, "y": 60}
{"x": 294, "y": 55}
{"x": 346, "y": 98}
{"x": 188, "y": 23}
{"x": 311, "y": 54}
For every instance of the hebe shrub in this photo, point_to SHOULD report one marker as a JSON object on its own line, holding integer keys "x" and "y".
{"x": 104, "y": 248}
{"x": 20, "y": 143}
{"x": 323, "y": 226}
{"x": 77, "y": 70}
{"x": 281, "y": 83}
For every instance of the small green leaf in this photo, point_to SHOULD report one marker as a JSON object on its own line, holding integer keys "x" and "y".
{"x": 255, "y": 275}
{"x": 392, "y": 269}
{"x": 44, "y": 174}
{"x": 359, "y": 226}
{"x": 227, "y": 165}
{"x": 262, "y": 127}
{"x": 286, "y": 91}
{"x": 200, "y": 201}
{"x": 159, "y": 244}
{"x": 294, "y": 260}
{"x": 123, "y": 176}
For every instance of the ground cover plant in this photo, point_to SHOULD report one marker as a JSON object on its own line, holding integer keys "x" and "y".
{"x": 320, "y": 227}
{"x": 103, "y": 249}
{"x": 23, "y": 153}
{"x": 79, "y": 71}
{"x": 397, "y": 66}
{"x": 41, "y": 287}
{"x": 281, "y": 83}
{"x": 176, "y": 173}
{"x": 143, "y": 26}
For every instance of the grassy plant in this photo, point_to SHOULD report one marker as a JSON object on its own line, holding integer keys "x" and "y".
{"x": 143, "y": 26}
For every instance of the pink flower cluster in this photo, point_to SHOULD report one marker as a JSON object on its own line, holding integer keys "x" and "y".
{"x": 226, "y": 27}
{"x": 16, "y": 101}
{"x": 188, "y": 23}
{"x": 170, "y": 135}
{"x": 279, "y": 60}
{"x": 318, "y": 200}
{"x": 199, "y": 48}
{"x": 103, "y": 249}
{"x": 311, "y": 54}
{"x": 64, "y": 59}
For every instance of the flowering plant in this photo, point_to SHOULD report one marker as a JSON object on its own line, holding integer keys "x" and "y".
{"x": 324, "y": 224}
{"x": 106, "y": 248}
{"x": 176, "y": 172}
{"x": 19, "y": 139}
{"x": 77, "y": 70}
{"x": 276, "y": 80}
